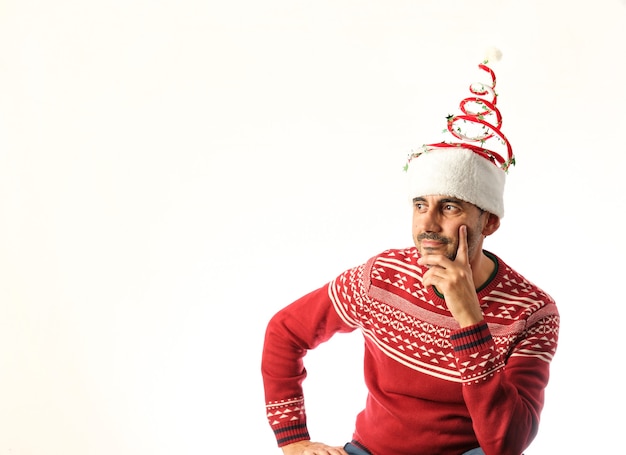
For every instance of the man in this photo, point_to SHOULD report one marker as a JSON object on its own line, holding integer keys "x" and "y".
{"x": 457, "y": 344}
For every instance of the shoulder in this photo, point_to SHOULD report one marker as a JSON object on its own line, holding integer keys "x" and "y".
{"x": 395, "y": 270}
{"x": 381, "y": 268}
{"x": 515, "y": 282}
{"x": 514, "y": 293}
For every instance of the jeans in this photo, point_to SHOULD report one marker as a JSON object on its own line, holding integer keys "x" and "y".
{"x": 354, "y": 450}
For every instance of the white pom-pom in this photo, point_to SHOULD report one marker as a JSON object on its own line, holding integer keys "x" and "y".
{"x": 493, "y": 54}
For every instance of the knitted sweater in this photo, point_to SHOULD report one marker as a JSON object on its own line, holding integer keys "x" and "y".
{"x": 433, "y": 388}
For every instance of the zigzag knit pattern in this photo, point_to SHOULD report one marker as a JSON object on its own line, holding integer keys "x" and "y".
{"x": 411, "y": 324}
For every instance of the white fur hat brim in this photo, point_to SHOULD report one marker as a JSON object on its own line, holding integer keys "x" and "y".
{"x": 460, "y": 173}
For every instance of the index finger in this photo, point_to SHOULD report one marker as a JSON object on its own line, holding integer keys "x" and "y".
{"x": 462, "y": 253}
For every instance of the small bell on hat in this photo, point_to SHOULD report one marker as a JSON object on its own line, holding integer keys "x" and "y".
{"x": 468, "y": 166}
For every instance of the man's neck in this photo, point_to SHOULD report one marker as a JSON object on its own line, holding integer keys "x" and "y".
{"x": 482, "y": 270}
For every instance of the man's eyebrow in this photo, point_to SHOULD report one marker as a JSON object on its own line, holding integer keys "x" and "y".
{"x": 451, "y": 199}
{"x": 444, "y": 200}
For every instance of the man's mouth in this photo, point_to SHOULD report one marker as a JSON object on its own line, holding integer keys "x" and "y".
{"x": 432, "y": 244}
{"x": 429, "y": 240}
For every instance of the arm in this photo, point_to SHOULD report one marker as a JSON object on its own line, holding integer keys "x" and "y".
{"x": 505, "y": 400}
{"x": 294, "y": 330}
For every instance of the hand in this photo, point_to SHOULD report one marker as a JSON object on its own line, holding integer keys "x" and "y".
{"x": 311, "y": 448}
{"x": 455, "y": 280}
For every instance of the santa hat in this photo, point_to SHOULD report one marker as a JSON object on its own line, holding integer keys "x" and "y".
{"x": 464, "y": 167}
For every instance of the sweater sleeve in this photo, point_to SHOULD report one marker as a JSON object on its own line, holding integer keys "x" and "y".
{"x": 504, "y": 392}
{"x": 290, "y": 333}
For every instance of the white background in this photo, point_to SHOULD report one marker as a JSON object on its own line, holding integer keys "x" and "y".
{"x": 174, "y": 172}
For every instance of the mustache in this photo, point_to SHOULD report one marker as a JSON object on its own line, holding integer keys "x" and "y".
{"x": 434, "y": 236}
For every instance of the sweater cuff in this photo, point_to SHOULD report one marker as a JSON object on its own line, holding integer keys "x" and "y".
{"x": 291, "y": 433}
{"x": 470, "y": 339}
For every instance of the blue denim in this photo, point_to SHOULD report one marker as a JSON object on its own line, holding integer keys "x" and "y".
{"x": 477, "y": 451}
{"x": 351, "y": 449}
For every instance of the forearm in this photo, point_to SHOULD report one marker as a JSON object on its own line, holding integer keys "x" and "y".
{"x": 504, "y": 401}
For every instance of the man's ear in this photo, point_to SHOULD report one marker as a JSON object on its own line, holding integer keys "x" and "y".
{"x": 492, "y": 225}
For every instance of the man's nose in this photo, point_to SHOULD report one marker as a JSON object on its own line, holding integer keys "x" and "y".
{"x": 430, "y": 221}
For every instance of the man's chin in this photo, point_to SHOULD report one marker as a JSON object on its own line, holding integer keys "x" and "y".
{"x": 433, "y": 250}
{"x": 426, "y": 251}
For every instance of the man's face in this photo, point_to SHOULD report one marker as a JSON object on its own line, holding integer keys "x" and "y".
{"x": 436, "y": 222}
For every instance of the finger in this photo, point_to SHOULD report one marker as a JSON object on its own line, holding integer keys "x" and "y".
{"x": 462, "y": 253}
{"x": 433, "y": 276}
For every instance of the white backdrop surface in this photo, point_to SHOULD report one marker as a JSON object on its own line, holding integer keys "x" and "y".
{"x": 174, "y": 172}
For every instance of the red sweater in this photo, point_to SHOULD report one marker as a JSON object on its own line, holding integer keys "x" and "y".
{"x": 433, "y": 388}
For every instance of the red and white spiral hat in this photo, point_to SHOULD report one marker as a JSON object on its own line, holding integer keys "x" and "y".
{"x": 472, "y": 166}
